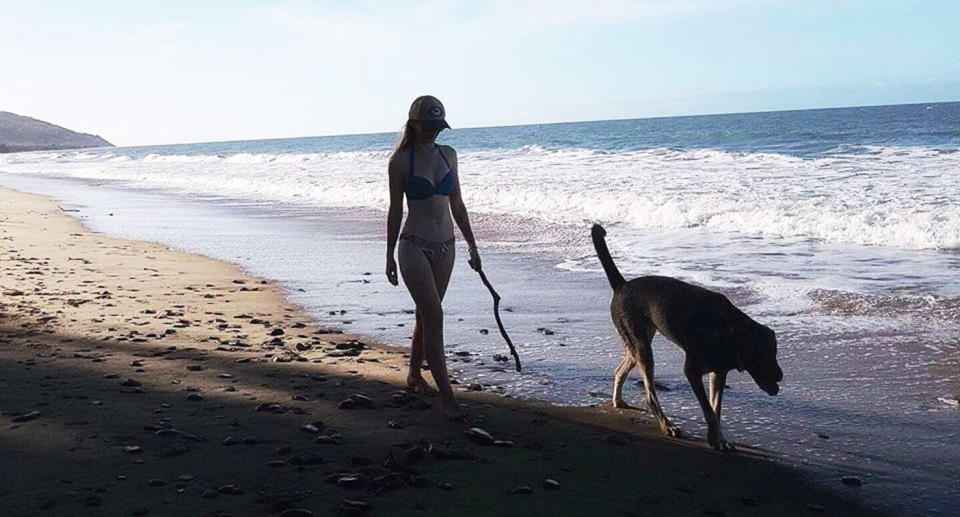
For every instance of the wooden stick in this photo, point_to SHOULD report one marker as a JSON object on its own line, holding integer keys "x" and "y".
{"x": 496, "y": 314}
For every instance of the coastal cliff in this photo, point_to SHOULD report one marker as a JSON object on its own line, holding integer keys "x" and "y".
{"x": 19, "y": 133}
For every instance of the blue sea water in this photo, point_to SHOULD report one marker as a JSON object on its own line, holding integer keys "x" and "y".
{"x": 839, "y": 228}
{"x": 803, "y": 133}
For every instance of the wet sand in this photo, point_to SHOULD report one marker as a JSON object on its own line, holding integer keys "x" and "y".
{"x": 141, "y": 380}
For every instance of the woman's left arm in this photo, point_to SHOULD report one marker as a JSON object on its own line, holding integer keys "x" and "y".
{"x": 459, "y": 210}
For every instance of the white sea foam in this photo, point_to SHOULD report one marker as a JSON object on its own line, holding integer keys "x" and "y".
{"x": 900, "y": 197}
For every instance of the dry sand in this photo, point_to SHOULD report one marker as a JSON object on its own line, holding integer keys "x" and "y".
{"x": 140, "y": 380}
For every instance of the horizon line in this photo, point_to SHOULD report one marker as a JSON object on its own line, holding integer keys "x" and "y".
{"x": 586, "y": 121}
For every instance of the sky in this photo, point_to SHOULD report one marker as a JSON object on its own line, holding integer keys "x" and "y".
{"x": 159, "y": 72}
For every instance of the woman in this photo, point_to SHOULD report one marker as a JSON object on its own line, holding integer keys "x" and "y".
{"x": 427, "y": 174}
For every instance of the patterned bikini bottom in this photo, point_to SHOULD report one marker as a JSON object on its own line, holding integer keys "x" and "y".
{"x": 434, "y": 251}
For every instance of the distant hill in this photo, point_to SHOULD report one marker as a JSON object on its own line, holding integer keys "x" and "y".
{"x": 19, "y": 133}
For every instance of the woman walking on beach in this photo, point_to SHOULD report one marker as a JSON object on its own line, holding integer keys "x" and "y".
{"x": 427, "y": 174}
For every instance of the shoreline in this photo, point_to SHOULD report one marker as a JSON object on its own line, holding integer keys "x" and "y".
{"x": 84, "y": 314}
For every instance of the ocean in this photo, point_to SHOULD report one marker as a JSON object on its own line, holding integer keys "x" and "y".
{"x": 838, "y": 228}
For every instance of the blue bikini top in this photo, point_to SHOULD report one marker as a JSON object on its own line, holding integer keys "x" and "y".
{"x": 419, "y": 187}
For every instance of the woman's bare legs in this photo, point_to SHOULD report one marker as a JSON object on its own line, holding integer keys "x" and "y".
{"x": 415, "y": 380}
{"x": 427, "y": 284}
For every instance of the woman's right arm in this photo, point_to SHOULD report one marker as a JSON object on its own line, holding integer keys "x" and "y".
{"x": 394, "y": 216}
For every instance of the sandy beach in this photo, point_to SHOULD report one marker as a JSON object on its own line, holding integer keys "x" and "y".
{"x": 140, "y": 380}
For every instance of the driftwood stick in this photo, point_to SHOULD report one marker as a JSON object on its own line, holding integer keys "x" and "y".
{"x": 496, "y": 314}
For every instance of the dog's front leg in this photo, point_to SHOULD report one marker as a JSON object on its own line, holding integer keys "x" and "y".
{"x": 714, "y": 434}
{"x": 718, "y": 381}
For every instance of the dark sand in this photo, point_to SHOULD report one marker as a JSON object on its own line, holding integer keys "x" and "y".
{"x": 211, "y": 420}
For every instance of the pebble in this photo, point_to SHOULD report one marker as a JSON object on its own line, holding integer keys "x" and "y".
{"x": 209, "y": 494}
{"x": 950, "y": 400}
{"x": 130, "y": 383}
{"x": 277, "y": 332}
{"x": 350, "y": 481}
{"x": 551, "y": 484}
{"x": 156, "y": 482}
{"x": 815, "y": 508}
{"x": 363, "y": 401}
{"x": 851, "y": 481}
{"x": 311, "y": 428}
{"x": 195, "y": 368}
{"x": 230, "y": 490}
{"x": 26, "y": 417}
{"x": 480, "y": 436}
{"x": 230, "y": 440}
{"x": 137, "y": 390}
{"x": 195, "y": 397}
{"x": 749, "y": 501}
{"x": 132, "y": 449}
{"x": 173, "y": 450}
{"x": 354, "y": 507}
{"x": 296, "y": 512}
{"x": 270, "y": 407}
{"x": 444, "y": 485}
{"x": 329, "y": 439}
{"x": 522, "y": 489}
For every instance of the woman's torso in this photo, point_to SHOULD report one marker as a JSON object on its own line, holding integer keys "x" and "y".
{"x": 428, "y": 186}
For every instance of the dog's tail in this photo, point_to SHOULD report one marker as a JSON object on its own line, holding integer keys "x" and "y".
{"x": 613, "y": 274}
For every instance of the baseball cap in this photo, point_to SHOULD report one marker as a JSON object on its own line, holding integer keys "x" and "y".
{"x": 428, "y": 108}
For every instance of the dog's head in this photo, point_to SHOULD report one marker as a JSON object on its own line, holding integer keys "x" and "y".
{"x": 757, "y": 354}
{"x": 597, "y": 231}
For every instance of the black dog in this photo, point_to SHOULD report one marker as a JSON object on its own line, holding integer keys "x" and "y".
{"x": 716, "y": 336}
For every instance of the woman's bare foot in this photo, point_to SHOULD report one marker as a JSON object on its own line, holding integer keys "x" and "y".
{"x": 419, "y": 385}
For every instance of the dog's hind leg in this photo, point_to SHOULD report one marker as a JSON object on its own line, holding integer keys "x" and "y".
{"x": 638, "y": 337}
{"x": 717, "y": 383}
{"x": 619, "y": 377}
{"x": 714, "y": 434}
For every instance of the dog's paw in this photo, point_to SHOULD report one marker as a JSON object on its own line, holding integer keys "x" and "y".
{"x": 672, "y": 431}
{"x": 721, "y": 445}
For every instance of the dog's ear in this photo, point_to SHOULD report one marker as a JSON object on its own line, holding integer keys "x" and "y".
{"x": 732, "y": 335}
{"x": 754, "y": 343}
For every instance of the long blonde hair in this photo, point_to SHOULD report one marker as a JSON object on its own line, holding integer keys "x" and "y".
{"x": 406, "y": 140}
